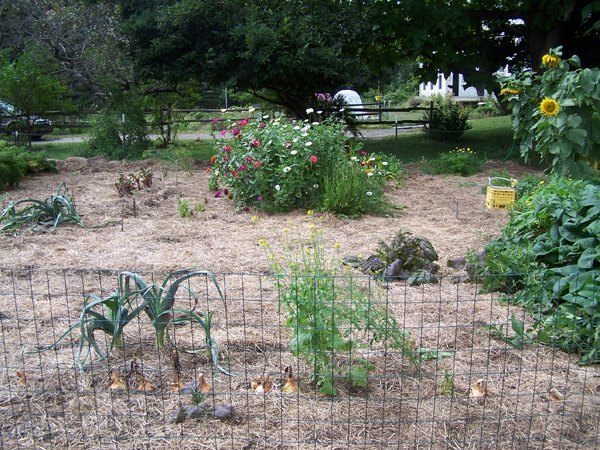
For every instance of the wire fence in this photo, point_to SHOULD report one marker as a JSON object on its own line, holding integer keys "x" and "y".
{"x": 247, "y": 385}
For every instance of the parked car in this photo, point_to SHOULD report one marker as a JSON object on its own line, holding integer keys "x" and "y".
{"x": 11, "y": 121}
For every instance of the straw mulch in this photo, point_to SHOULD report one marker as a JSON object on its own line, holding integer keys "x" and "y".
{"x": 535, "y": 397}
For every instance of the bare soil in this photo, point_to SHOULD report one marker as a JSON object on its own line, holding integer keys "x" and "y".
{"x": 535, "y": 397}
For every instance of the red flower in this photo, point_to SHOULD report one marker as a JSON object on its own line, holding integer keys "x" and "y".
{"x": 225, "y": 191}
{"x": 235, "y": 173}
{"x": 235, "y": 131}
{"x": 257, "y": 164}
{"x": 313, "y": 159}
{"x": 243, "y": 122}
{"x": 259, "y": 198}
{"x": 225, "y": 158}
{"x": 227, "y": 148}
{"x": 243, "y": 167}
{"x": 249, "y": 158}
{"x": 262, "y": 125}
{"x": 255, "y": 143}
{"x": 363, "y": 153}
{"x": 218, "y": 194}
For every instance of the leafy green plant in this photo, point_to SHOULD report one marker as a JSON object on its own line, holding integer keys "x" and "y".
{"x": 548, "y": 259}
{"x": 447, "y": 388}
{"x": 448, "y": 120}
{"x": 57, "y": 209}
{"x": 159, "y": 299}
{"x": 460, "y": 161}
{"x": 183, "y": 208}
{"x": 555, "y": 114}
{"x": 328, "y": 312}
{"x": 15, "y": 163}
{"x": 107, "y": 314}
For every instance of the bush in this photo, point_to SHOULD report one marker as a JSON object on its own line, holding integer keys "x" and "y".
{"x": 16, "y": 163}
{"x": 279, "y": 165}
{"x": 547, "y": 258}
{"x": 448, "y": 120}
{"x": 460, "y": 161}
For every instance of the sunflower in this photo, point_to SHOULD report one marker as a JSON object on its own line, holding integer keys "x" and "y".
{"x": 550, "y": 61}
{"x": 549, "y": 107}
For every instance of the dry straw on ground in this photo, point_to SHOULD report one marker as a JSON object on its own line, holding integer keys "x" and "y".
{"x": 536, "y": 397}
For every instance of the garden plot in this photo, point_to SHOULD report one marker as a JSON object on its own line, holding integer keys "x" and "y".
{"x": 474, "y": 390}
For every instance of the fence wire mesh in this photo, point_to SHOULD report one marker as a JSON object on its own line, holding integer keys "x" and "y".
{"x": 473, "y": 388}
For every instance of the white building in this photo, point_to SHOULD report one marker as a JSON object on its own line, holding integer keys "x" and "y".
{"x": 456, "y": 86}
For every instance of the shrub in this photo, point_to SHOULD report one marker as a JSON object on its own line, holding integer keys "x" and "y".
{"x": 460, "y": 161}
{"x": 547, "y": 258}
{"x": 16, "y": 163}
{"x": 279, "y": 165}
{"x": 448, "y": 120}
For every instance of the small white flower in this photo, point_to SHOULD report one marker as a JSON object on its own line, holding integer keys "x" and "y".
{"x": 266, "y": 116}
{"x": 315, "y": 123}
{"x": 315, "y": 186}
{"x": 310, "y": 111}
{"x": 354, "y": 158}
{"x": 369, "y": 193}
{"x": 342, "y": 109}
{"x": 251, "y": 109}
{"x": 223, "y": 110}
{"x": 370, "y": 174}
{"x": 319, "y": 112}
{"x": 308, "y": 144}
{"x": 384, "y": 163}
{"x": 286, "y": 169}
{"x": 277, "y": 187}
{"x": 293, "y": 152}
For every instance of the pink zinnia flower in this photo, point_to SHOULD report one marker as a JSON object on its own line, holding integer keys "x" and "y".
{"x": 243, "y": 122}
{"x": 218, "y": 194}
{"x": 259, "y": 198}
{"x": 243, "y": 167}
{"x": 249, "y": 158}
{"x": 255, "y": 143}
{"x": 313, "y": 159}
{"x": 225, "y": 158}
{"x": 257, "y": 164}
{"x": 235, "y": 131}
{"x": 223, "y": 132}
{"x": 227, "y": 148}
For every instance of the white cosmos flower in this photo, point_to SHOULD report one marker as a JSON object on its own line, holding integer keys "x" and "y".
{"x": 308, "y": 144}
{"x": 310, "y": 111}
{"x": 266, "y": 116}
{"x": 293, "y": 152}
{"x": 286, "y": 169}
{"x": 315, "y": 186}
{"x": 277, "y": 187}
{"x": 384, "y": 163}
{"x": 369, "y": 193}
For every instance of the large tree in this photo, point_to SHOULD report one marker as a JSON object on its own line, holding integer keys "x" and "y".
{"x": 284, "y": 50}
{"x": 477, "y": 37}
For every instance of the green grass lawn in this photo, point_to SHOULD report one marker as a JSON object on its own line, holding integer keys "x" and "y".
{"x": 490, "y": 138}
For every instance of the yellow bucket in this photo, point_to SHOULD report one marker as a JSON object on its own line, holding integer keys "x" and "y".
{"x": 500, "y": 197}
